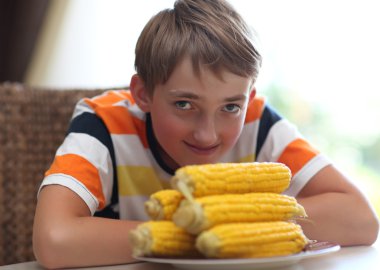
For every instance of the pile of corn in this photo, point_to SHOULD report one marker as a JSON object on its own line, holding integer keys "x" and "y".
{"x": 226, "y": 210}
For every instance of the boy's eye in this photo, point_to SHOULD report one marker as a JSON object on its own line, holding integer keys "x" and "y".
{"x": 231, "y": 108}
{"x": 183, "y": 105}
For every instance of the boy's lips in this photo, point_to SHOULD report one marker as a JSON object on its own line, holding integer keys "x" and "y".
{"x": 202, "y": 150}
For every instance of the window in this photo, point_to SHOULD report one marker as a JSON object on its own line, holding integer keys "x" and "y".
{"x": 320, "y": 64}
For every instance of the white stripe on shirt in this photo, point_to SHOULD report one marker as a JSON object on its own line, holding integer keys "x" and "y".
{"x": 280, "y": 135}
{"x": 93, "y": 151}
{"x": 301, "y": 178}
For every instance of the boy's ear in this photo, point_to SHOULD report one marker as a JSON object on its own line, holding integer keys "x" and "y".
{"x": 252, "y": 94}
{"x": 139, "y": 93}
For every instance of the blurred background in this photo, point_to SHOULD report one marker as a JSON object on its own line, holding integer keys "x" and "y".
{"x": 320, "y": 66}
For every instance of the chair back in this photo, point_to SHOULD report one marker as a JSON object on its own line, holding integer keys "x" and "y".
{"x": 33, "y": 123}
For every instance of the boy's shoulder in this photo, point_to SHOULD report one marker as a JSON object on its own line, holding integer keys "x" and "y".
{"x": 116, "y": 109}
{"x": 111, "y": 104}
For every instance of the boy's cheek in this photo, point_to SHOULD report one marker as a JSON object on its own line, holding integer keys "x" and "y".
{"x": 169, "y": 126}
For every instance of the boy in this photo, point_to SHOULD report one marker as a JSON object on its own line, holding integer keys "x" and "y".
{"x": 192, "y": 101}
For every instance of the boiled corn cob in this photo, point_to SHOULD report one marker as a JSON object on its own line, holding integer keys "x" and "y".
{"x": 162, "y": 204}
{"x": 251, "y": 240}
{"x": 224, "y": 178}
{"x": 209, "y": 211}
{"x": 162, "y": 238}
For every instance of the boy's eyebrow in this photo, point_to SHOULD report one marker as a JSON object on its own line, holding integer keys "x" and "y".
{"x": 184, "y": 94}
{"x": 236, "y": 98}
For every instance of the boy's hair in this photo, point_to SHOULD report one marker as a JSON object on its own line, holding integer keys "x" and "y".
{"x": 211, "y": 32}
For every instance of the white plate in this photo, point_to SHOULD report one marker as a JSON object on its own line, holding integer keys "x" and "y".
{"x": 313, "y": 250}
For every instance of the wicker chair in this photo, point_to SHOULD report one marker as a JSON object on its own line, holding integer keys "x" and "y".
{"x": 33, "y": 123}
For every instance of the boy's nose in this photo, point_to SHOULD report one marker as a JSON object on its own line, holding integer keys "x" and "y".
{"x": 205, "y": 132}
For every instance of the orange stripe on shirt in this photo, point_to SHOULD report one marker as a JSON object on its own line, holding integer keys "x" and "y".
{"x": 109, "y": 98}
{"x": 117, "y": 118}
{"x": 82, "y": 170}
{"x": 141, "y": 130}
{"x": 297, "y": 154}
{"x": 255, "y": 109}
{"x": 119, "y": 121}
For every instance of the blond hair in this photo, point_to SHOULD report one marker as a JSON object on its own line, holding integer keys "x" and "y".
{"x": 211, "y": 32}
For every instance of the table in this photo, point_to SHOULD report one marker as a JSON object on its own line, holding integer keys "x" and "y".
{"x": 361, "y": 257}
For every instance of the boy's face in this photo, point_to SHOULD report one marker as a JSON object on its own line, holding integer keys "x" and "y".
{"x": 197, "y": 119}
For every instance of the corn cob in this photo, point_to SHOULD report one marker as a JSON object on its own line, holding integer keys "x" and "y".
{"x": 162, "y": 204}
{"x": 162, "y": 238}
{"x": 224, "y": 178}
{"x": 251, "y": 240}
{"x": 206, "y": 212}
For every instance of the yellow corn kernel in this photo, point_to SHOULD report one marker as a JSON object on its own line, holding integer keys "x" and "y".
{"x": 224, "y": 178}
{"x": 206, "y": 212}
{"x": 162, "y": 204}
{"x": 251, "y": 240}
{"x": 162, "y": 238}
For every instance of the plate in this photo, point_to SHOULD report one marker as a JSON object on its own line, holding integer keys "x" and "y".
{"x": 312, "y": 250}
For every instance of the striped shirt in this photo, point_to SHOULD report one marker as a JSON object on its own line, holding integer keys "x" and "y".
{"x": 109, "y": 159}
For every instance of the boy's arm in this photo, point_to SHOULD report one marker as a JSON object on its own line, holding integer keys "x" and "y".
{"x": 338, "y": 212}
{"x": 66, "y": 235}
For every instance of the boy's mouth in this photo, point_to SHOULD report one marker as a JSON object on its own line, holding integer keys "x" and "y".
{"x": 202, "y": 150}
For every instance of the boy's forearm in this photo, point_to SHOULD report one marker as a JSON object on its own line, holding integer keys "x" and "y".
{"x": 339, "y": 217}
{"x": 88, "y": 241}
